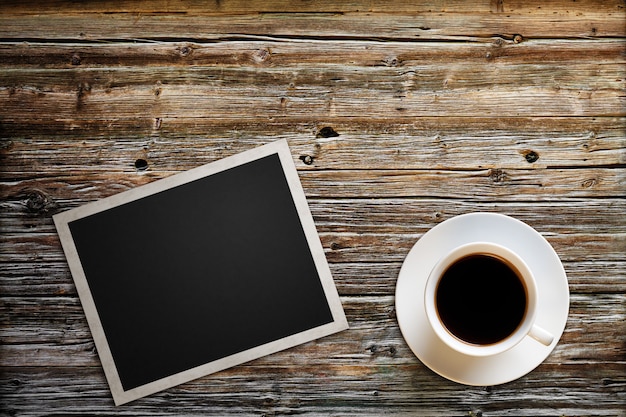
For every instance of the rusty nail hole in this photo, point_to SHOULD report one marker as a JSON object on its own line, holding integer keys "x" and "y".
{"x": 327, "y": 132}
{"x": 141, "y": 164}
{"x": 185, "y": 50}
{"x": 75, "y": 60}
{"x": 518, "y": 38}
{"x": 531, "y": 156}
{"x": 307, "y": 159}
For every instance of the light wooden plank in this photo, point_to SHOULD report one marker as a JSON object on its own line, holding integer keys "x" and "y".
{"x": 440, "y": 144}
{"x": 485, "y": 185}
{"x": 344, "y": 91}
{"x": 27, "y": 214}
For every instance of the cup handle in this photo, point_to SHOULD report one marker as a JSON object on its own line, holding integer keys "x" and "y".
{"x": 541, "y": 335}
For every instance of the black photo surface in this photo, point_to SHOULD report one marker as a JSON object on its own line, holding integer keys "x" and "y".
{"x": 202, "y": 275}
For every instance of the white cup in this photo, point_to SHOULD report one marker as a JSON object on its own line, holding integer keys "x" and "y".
{"x": 526, "y": 326}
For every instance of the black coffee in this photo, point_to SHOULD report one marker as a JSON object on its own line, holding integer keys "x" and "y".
{"x": 480, "y": 299}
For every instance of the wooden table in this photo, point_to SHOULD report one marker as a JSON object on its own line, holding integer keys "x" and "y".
{"x": 399, "y": 115}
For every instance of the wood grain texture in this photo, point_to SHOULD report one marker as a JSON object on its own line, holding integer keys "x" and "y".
{"x": 399, "y": 115}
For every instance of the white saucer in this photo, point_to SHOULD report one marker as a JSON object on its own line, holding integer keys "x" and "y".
{"x": 552, "y": 303}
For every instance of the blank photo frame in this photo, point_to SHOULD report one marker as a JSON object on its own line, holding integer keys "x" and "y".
{"x": 200, "y": 271}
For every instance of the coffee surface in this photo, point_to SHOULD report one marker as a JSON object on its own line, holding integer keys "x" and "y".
{"x": 480, "y": 299}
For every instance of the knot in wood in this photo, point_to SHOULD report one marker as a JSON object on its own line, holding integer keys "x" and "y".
{"x": 38, "y": 202}
{"x": 261, "y": 55}
{"x": 75, "y": 60}
{"x": 391, "y": 61}
{"x": 518, "y": 38}
{"x": 588, "y": 183}
{"x": 6, "y": 143}
{"x": 497, "y": 175}
{"x": 16, "y": 382}
{"x": 337, "y": 246}
{"x": 185, "y": 51}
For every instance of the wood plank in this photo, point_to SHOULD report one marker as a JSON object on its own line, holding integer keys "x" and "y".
{"x": 294, "y": 81}
{"x": 41, "y": 277}
{"x": 28, "y": 214}
{"x": 536, "y": 7}
{"x": 327, "y": 92}
{"x": 349, "y": 247}
{"x": 53, "y": 332}
{"x": 52, "y": 278}
{"x": 306, "y": 52}
{"x": 487, "y": 185}
{"x": 195, "y": 27}
{"x": 439, "y": 144}
{"x": 312, "y": 391}
{"x": 405, "y": 220}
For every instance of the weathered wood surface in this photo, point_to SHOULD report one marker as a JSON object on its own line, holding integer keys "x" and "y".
{"x": 399, "y": 116}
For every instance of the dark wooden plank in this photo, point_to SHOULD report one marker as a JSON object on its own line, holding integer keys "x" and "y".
{"x": 52, "y": 331}
{"x": 536, "y": 7}
{"x": 302, "y": 53}
{"x": 314, "y": 391}
{"x": 326, "y": 25}
{"x": 52, "y": 278}
{"x": 370, "y": 362}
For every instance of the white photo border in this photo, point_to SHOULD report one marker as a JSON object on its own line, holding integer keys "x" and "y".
{"x": 62, "y": 220}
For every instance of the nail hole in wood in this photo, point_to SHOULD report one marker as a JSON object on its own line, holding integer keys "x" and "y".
{"x": 141, "y": 164}
{"x": 531, "y": 157}
{"x": 307, "y": 159}
{"x": 327, "y": 132}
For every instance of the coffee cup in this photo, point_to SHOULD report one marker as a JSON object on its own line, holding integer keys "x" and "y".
{"x": 481, "y": 300}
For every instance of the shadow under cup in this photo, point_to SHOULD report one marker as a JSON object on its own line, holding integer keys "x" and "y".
{"x": 480, "y": 300}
